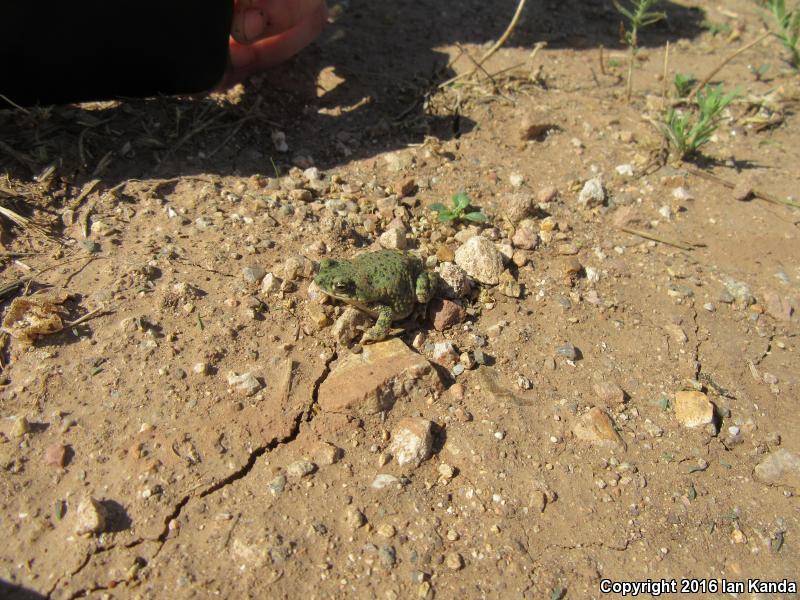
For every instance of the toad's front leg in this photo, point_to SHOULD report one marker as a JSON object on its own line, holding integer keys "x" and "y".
{"x": 381, "y": 328}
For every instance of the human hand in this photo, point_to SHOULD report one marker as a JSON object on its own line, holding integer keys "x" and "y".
{"x": 267, "y": 32}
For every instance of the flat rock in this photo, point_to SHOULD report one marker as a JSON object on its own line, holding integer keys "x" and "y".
{"x": 371, "y": 382}
{"x": 481, "y": 260}
{"x": 693, "y": 409}
{"x": 781, "y": 467}
{"x": 597, "y": 427}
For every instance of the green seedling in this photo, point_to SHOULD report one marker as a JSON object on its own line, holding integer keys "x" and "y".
{"x": 684, "y": 84}
{"x": 687, "y": 132}
{"x": 458, "y": 211}
{"x": 714, "y": 28}
{"x": 760, "y": 71}
{"x": 788, "y": 28}
{"x": 639, "y": 16}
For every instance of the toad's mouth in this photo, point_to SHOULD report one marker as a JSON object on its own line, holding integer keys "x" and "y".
{"x": 364, "y": 307}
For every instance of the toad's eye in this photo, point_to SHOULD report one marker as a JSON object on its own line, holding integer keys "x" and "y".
{"x": 341, "y": 286}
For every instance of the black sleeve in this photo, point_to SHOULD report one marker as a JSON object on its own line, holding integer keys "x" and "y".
{"x": 59, "y": 51}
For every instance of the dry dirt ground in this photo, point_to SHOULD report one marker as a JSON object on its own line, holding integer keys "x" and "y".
{"x": 134, "y": 465}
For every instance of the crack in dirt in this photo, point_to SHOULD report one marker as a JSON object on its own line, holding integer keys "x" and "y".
{"x": 697, "y": 365}
{"x": 304, "y": 416}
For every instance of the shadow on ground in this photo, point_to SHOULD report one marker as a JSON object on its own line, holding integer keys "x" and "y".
{"x": 9, "y": 591}
{"x": 375, "y": 64}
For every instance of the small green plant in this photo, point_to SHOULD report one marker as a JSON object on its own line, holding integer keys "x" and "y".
{"x": 714, "y": 28}
{"x": 639, "y": 15}
{"x": 760, "y": 71}
{"x": 688, "y": 131}
{"x": 458, "y": 211}
{"x": 684, "y": 84}
{"x": 788, "y": 28}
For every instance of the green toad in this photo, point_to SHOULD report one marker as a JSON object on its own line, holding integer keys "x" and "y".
{"x": 386, "y": 284}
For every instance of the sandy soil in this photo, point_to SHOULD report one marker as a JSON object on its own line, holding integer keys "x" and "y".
{"x": 133, "y": 463}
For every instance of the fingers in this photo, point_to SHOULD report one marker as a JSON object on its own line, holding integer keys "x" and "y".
{"x": 246, "y": 59}
{"x": 257, "y": 19}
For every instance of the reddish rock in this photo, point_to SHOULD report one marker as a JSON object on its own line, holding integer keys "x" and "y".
{"x": 405, "y": 187}
{"x": 56, "y": 455}
{"x": 597, "y": 427}
{"x": 525, "y": 238}
{"x": 778, "y": 306}
{"x": 446, "y": 313}
{"x": 370, "y": 382}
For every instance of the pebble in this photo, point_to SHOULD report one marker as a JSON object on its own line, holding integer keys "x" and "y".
{"x": 312, "y": 174}
{"x": 467, "y": 233}
{"x": 780, "y": 467}
{"x": 91, "y": 516}
{"x": 454, "y": 561}
{"x": 693, "y": 409}
{"x": 525, "y": 238}
{"x": 593, "y": 194}
{"x": 457, "y": 391}
{"x": 568, "y": 351}
{"x": 547, "y": 194}
{"x": 277, "y": 485}
{"x": 455, "y": 282}
{"x": 739, "y": 290}
{"x": 516, "y": 180}
{"x": 386, "y": 530}
{"x": 246, "y": 382}
{"x": 55, "y": 455}
{"x": 446, "y": 471}
{"x": 508, "y": 286}
{"x": 444, "y": 353}
{"x": 742, "y": 192}
{"x": 300, "y": 468}
{"x": 518, "y": 206}
{"x": 270, "y": 284}
{"x": 480, "y": 259}
{"x": 383, "y": 480}
{"x": 20, "y": 427}
{"x": 301, "y": 195}
{"x": 682, "y": 194}
{"x": 201, "y": 368}
{"x": 446, "y": 313}
{"x": 624, "y": 170}
{"x": 609, "y": 393}
{"x": 279, "y": 141}
{"x": 354, "y": 518}
{"x": 388, "y": 556}
{"x": 393, "y": 239}
{"x": 519, "y": 258}
{"x": 412, "y": 441}
{"x": 778, "y": 306}
{"x": 458, "y": 370}
{"x": 297, "y": 266}
{"x": 327, "y": 454}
